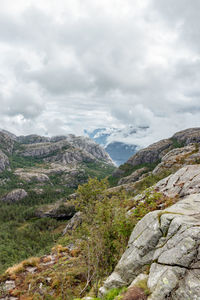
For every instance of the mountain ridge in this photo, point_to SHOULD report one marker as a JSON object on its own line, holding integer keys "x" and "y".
{"x": 157, "y": 197}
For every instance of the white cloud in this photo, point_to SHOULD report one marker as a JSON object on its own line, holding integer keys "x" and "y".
{"x": 70, "y": 65}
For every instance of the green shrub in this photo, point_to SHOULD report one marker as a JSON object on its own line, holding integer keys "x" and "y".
{"x": 105, "y": 229}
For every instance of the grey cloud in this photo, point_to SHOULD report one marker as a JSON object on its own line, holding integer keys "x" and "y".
{"x": 102, "y": 68}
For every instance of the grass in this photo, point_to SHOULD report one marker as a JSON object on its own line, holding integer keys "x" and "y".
{"x": 98, "y": 169}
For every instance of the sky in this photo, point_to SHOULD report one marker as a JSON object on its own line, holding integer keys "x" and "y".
{"x": 70, "y": 65}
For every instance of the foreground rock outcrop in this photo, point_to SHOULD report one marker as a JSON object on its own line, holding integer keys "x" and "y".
{"x": 168, "y": 241}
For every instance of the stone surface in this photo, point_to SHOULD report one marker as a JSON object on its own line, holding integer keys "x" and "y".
{"x": 14, "y": 196}
{"x": 177, "y": 158}
{"x": 133, "y": 177}
{"x": 73, "y": 223}
{"x": 151, "y": 154}
{"x": 4, "y": 162}
{"x": 188, "y": 136}
{"x": 66, "y": 151}
{"x": 168, "y": 241}
{"x": 9, "y": 285}
{"x": 138, "y": 279}
{"x": 32, "y": 176}
{"x": 184, "y": 182}
{"x": 6, "y": 142}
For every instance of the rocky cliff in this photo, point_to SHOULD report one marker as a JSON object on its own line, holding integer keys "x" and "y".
{"x": 168, "y": 152}
{"x": 165, "y": 244}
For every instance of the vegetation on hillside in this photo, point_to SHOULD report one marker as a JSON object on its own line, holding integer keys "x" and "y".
{"x": 22, "y": 234}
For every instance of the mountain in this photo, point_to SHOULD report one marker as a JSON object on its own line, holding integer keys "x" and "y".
{"x": 118, "y": 143}
{"x": 36, "y": 175}
{"x": 137, "y": 239}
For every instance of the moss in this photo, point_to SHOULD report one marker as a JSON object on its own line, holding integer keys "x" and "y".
{"x": 142, "y": 284}
{"x": 113, "y": 293}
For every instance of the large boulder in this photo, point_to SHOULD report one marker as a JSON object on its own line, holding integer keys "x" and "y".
{"x": 14, "y": 196}
{"x": 32, "y": 176}
{"x": 169, "y": 242}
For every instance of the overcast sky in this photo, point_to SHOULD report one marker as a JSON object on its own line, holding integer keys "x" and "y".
{"x": 69, "y": 65}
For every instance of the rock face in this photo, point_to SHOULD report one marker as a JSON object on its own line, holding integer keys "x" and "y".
{"x": 70, "y": 150}
{"x": 151, "y": 154}
{"x": 73, "y": 223}
{"x": 14, "y": 196}
{"x": 133, "y": 177}
{"x": 4, "y": 162}
{"x": 188, "y": 136}
{"x": 176, "y": 158}
{"x": 32, "y": 139}
{"x": 184, "y": 182}
{"x": 167, "y": 240}
{"x": 32, "y": 176}
{"x": 6, "y": 142}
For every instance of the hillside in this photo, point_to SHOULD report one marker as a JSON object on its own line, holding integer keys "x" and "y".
{"x": 137, "y": 239}
{"x": 36, "y": 176}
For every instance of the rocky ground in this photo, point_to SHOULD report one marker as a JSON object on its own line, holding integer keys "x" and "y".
{"x": 165, "y": 244}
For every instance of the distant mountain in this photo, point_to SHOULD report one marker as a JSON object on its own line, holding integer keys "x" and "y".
{"x": 118, "y": 143}
{"x": 120, "y": 152}
{"x": 37, "y": 174}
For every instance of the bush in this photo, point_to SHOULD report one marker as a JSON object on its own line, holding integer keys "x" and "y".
{"x": 105, "y": 229}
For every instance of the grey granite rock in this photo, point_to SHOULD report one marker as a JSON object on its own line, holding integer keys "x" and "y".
{"x": 168, "y": 241}
{"x": 14, "y": 196}
{"x": 133, "y": 177}
{"x": 73, "y": 223}
{"x": 4, "y": 161}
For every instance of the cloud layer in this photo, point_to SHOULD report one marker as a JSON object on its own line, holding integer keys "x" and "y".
{"x": 71, "y": 65}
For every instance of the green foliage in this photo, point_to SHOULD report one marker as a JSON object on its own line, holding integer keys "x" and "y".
{"x": 176, "y": 144}
{"x": 98, "y": 169}
{"x": 22, "y": 234}
{"x": 149, "y": 181}
{"x": 19, "y": 241}
{"x": 105, "y": 229}
{"x": 17, "y": 161}
{"x": 142, "y": 284}
{"x": 113, "y": 293}
{"x": 128, "y": 169}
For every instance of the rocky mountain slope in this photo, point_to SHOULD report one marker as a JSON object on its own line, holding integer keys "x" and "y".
{"x": 167, "y": 241}
{"x": 160, "y": 153}
{"x": 36, "y": 176}
{"x": 159, "y": 188}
